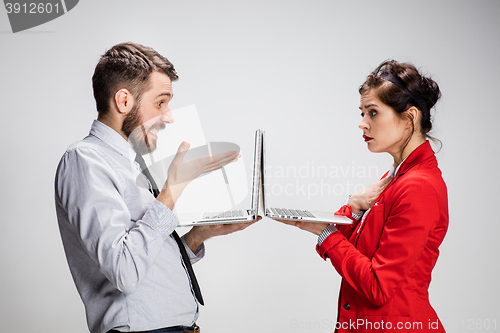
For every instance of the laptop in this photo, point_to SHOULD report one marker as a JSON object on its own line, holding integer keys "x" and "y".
{"x": 232, "y": 216}
{"x": 294, "y": 214}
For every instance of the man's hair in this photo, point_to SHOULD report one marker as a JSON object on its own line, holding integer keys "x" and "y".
{"x": 129, "y": 66}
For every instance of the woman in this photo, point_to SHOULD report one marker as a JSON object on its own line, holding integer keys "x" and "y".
{"x": 386, "y": 256}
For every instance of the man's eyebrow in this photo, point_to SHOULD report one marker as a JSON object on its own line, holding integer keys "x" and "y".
{"x": 166, "y": 93}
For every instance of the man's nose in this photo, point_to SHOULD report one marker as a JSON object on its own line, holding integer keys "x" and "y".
{"x": 167, "y": 117}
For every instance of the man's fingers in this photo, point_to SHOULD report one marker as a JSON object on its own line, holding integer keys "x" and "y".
{"x": 226, "y": 229}
{"x": 224, "y": 157}
{"x": 189, "y": 170}
{"x": 181, "y": 151}
{"x": 217, "y": 163}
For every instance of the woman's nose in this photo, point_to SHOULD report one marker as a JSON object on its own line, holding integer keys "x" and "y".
{"x": 363, "y": 124}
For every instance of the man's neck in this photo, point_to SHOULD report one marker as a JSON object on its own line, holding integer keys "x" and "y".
{"x": 112, "y": 123}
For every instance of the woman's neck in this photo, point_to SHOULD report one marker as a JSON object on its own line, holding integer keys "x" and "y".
{"x": 414, "y": 143}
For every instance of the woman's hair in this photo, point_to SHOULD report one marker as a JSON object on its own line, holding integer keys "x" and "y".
{"x": 401, "y": 86}
{"x": 127, "y": 65}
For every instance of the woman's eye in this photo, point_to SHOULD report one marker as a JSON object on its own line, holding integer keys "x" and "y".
{"x": 373, "y": 113}
{"x": 362, "y": 114}
{"x": 160, "y": 103}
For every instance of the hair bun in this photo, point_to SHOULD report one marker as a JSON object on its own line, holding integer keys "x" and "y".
{"x": 430, "y": 91}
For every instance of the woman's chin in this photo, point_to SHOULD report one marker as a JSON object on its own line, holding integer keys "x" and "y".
{"x": 373, "y": 149}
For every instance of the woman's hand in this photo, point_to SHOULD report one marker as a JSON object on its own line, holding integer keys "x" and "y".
{"x": 364, "y": 198}
{"x": 313, "y": 227}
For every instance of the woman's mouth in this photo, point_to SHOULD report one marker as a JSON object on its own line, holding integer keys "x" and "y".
{"x": 367, "y": 138}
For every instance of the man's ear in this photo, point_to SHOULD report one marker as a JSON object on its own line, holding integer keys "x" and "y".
{"x": 124, "y": 101}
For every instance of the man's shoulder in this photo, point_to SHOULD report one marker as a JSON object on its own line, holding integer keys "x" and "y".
{"x": 89, "y": 150}
{"x": 89, "y": 141}
{"x": 89, "y": 144}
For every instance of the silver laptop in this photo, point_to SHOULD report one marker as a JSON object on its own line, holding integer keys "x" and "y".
{"x": 294, "y": 214}
{"x": 232, "y": 216}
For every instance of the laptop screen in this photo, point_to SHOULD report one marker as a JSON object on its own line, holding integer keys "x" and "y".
{"x": 257, "y": 165}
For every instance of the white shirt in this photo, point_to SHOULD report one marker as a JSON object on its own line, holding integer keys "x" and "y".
{"x": 117, "y": 237}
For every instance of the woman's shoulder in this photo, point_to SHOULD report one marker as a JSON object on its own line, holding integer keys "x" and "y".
{"x": 421, "y": 180}
{"x": 426, "y": 172}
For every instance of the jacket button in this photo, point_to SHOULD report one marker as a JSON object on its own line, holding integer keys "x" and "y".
{"x": 347, "y": 306}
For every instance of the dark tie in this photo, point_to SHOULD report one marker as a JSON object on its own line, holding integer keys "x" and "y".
{"x": 185, "y": 258}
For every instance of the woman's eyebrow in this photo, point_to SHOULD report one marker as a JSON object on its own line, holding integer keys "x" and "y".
{"x": 367, "y": 106}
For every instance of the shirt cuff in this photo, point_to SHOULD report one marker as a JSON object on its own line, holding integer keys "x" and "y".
{"x": 161, "y": 218}
{"x": 358, "y": 216}
{"x": 327, "y": 232}
{"x": 194, "y": 257}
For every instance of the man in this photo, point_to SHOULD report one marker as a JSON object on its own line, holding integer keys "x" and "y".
{"x": 119, "y": 240}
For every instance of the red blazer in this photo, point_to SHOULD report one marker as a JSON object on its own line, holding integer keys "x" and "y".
{"x": 386, "y": 259}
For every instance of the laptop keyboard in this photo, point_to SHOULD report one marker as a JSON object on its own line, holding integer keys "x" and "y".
{"x": 291, "y": 212}
{"x": 218, "y": 215}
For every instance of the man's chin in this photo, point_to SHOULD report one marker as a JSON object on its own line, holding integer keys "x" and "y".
{"x": 143, "y": 149}
{"x": 141, "y": 146}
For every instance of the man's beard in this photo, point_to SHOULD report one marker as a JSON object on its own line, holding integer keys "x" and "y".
{"x": 133, "y": 128}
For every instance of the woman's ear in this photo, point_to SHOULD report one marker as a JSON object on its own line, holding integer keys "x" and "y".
{"x": 412, "y": 115}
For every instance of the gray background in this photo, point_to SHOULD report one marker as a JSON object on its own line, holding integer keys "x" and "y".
{"x": 293, "y": 68}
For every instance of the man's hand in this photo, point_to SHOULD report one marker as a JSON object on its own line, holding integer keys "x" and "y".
{"x": 197, "y": 235}
{"x": 364, "y": 198}
{"x": 181, "y": 173}
{"x": 313, "y": 227}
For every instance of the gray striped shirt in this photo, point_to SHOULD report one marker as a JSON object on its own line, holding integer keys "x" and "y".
{"x": 117, "y": 237}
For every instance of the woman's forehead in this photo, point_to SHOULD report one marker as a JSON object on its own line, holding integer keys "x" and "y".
{"x": 369, "y": 99}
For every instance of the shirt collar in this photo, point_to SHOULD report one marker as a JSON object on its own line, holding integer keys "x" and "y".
{"x": 113, "y": 139}
{"x": 421, "y": 153}
{"x": 394, "y": 171}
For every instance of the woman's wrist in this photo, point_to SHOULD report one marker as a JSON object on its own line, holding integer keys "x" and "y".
{"x": 330, "y": 229}
{"x": 355, "y": 207}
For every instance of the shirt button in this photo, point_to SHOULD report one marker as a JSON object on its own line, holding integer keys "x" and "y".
{"x": 347, "y": 306}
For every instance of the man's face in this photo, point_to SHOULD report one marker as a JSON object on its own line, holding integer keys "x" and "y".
{"x": 150, "y": 114}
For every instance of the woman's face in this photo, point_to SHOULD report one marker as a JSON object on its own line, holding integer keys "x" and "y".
{"x": 383, "y": 129}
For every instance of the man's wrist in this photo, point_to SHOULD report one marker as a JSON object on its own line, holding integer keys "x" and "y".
{"x": 170, "y": 193}
{"x": 166, "y": 198}
{"x": 194, "y": 256}
{"x": 194, "y": 239}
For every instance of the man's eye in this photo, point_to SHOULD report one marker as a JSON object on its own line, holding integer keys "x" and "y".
{"x": 160, "y": 103}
